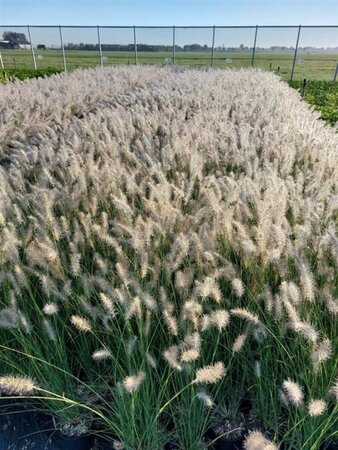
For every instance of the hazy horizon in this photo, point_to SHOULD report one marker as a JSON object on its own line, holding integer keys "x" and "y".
{"x": 175, "y": 12}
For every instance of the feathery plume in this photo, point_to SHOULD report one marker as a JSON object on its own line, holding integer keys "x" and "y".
{"x": 81, "y": 323}
{"x": 322, "y": 352}
{"x": 8, "y": 318}
{"x": 257, "y": 369}
{"x": 17, "y": 385}
{"x": 190, "y": 355}
{"x": 151, "y": 361}
{"x": 170, "y": 322}
{"x": 102, "y": 354}
{"x": 239, "y": 343}
{"x": 257, "y": 441}
{"x": 206, "y": 399}
{"x": 246, "y": 315}
{"x": 172, "y": 357}
{"x": 50, "y": 309}
{"x": 220, "y": 318}
{"x": 293, "y": 392}
{"x": 238, "y": 287}
{"x": 334, "y": 390}
{"x": 132, "y": 383}
{"x": 49, "y": 329}
{"x": 316, "y": 408}
{"x": 107, "y": 304}
{"x": 210, "y": 374}
{"x": 307, "y": 283}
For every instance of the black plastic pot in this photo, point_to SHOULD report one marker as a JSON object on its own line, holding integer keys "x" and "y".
{"x": 229, "y": 444}
{"x": 58, "y": 441}
{"x": 333, "y": 445}
{"x": 104, "y": 444}
{"x": 171, "y": 446}
{"x": 22, "y": 426}
{"x": 224, "y": 442}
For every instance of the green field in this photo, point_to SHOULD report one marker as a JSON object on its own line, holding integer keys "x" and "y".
{"x": 313, "y": 66}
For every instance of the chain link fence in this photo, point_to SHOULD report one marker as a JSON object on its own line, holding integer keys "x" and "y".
{"x": 295, "y": 52}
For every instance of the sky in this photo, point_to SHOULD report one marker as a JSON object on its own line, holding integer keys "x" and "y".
{"x": 176, "y": 12}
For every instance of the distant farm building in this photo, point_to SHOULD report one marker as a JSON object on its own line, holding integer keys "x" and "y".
{"x": 8, "y": 44}
{"x": 22, "y": 44}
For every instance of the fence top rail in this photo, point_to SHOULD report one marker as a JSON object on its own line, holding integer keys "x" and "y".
{"x": 169, "y": 26}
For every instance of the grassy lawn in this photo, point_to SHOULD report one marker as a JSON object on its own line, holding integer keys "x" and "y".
{"x": 315, "y": 66}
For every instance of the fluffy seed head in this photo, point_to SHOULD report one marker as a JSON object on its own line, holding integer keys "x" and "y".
{"x": 220, "y": 319}
{"x": 172, "y": 357}
{"x": 257, "y": 441}
{"x": 50, "y": 308}
{"x": 210, "y": 374}
{"x": 246, "y": 315}
{"x": 316, "y": 408}
{"x": 170, "y": 322}
{"x": 239, "y": 343}
{"x": 133, "y": 382}
{"x": 334, "y": 390}
{"x": 102, "y": 354}
{"x": 258, "y": 371}
{"x": 238, "y": 287}
{"x": 293, "y": 392}
{"x": 190, "y": 355}
{"x": 107, "y": 304}
{"x": 306, "y": 330}
{"x": 81, "y": 323}
{"x": 206, "y": 399}
{"x": 322, "y": 352}
{"x": 151, "y": 361}
{"x": 17, "y": 385}
{"x": 49, "y": 329}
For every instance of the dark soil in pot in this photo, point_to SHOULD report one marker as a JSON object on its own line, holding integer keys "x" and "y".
{"x": 229, "y": 442}
{"x": 105, "y": 443}
{"x": 22, "y": 426}
{"x": 230, "y": 429}
{"x": 333, "y": 445}
{"x": 58, "y": 441}
{"x": 171, "y": 446}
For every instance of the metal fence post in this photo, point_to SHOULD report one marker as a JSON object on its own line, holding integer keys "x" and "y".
{"x": 334, "y": 77}
{"x": 135, "y": 46}
{"x": 100, "y": 47}
{"x": 1, "y": 62}
{"x": 254, "y": 47}
{"x": 32, "y": 46}
{"x": 295, "y": 55}
{"x": 63, "y": 50}
{"x": 213, "y": 46}
{"x": 174, "y": 45}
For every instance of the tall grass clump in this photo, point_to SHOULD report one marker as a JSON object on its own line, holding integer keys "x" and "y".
{"x": 169, "y": 252}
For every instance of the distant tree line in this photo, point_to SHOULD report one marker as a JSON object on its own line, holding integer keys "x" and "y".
{"x": 187, "y": 48}
{"x": 12, "y": 36}
{"x": 140, "y": 47}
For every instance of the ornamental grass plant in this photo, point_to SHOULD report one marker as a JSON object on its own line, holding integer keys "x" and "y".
{"x": 168, "y": 251}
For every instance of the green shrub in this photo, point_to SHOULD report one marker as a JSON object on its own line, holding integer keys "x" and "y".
{"x": 323, "y": 95}
{"x": 21, "y": 74}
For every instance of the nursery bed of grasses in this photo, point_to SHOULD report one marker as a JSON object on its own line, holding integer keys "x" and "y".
{"x": 169, "y": 251}
{"x": 322, "y": 94}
